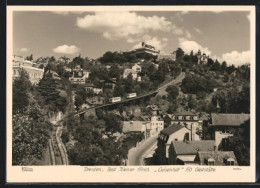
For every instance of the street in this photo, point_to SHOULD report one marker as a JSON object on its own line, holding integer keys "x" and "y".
{"x": 136, "y": 155}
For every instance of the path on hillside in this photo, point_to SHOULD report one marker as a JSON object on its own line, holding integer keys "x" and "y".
{"x": 58, "y": 153}
{"x": 136, "y": 155}
{"x": 162, "y": 90}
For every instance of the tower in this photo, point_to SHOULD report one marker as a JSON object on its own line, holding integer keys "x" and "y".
{"x": 199, "y": 56}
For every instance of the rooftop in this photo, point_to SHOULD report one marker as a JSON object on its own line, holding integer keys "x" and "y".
{"x": 133, "y": 126}
{"x": 128, "y": 71}
{"x": 184, "y": 113}
{"x": 229, "y": 119}
{"x": 219, "y": 157}
{"x": 172, "y": 129}
{"x": 192, "y": 147}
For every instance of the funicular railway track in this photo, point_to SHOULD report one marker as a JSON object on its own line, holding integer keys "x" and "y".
{"x": 58, "y": 154}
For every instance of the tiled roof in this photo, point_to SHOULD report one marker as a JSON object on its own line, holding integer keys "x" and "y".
{"x": 219, "y": 157}
{"x": 184, "y": 113}
{"x": 229, "y": 119}
{"x": 145, "y": 118}
{"x": 133, "y": 126}
{"x": 172, "y": 129}
{"x": 128, "y": 71}
{"x": 192, "y": 147}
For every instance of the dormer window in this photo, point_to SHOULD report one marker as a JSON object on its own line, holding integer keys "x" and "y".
{"x": 210, "y": 161}
{"x": 183, "y": 117}
{"x": 176, "y": 117}
{"x": 191, "y": 118}
{"x": 230, "y": 162}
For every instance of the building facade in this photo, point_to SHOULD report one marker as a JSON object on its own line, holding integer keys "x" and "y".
{"x": 19, "y": 63}
{"x": 223, "y": 126}
{"x": 184, "y": 152}
{"x": 202, "y": 59}
{"x": 216, "y": 158}
{"x": 170, "y": 134}
{"x": 186, "y": 118}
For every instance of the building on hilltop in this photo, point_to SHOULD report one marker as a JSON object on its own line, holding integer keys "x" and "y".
{"x": 154, "y": 110}
{"x": 79, "y": 75}
{"x": 172, "y": 133}
{"x": 149, "y": 49}
{"x": 19, "y": 63}
{"x": 184, "y": 152}
{"x": 134, "y": 74}
{"x": 216, "y": 158}
{"x": 223, "y": 126}
{"x": 137, "y": 68}
{"x": 202, "y": 59}
{"x": 171, "y": 56}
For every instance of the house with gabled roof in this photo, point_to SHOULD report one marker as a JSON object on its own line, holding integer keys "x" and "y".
{"x": 216, "y": 158}
{"x": 184, "y": 152}
{"x": 223, "y": 126}
{"x": 187, "y": 118}
{"x": 176, "y": 132}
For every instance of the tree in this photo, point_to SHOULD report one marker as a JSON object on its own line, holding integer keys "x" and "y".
{"x": 80, "y": 97}
{"x": 172, "y": 107}
{"x": 114, "y": 72}
{"x": 78, "y": 61}
{"x": 192, "y": 102}
{"x": 48, "y": 88}
{"x": 119, "y": 90}
{"x": 50, "y": 66}
{"x": 239, "y": 143}
{"x": 129, "y": 83}
{"x": 113, "y": 123}
{"x": 52, "y": 59}
{"x": 29, "y": 58}
{"x": 60, "y": 69}
{"x": 179, "y": 53}
{"x": 30, "y": 134}
{"x": 21, "y": 87}
{"x": 223, "y": 66}
{"x": 173, "y": 92}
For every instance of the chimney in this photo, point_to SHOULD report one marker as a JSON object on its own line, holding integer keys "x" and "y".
{"x": 218, "y": 107}
{"x": 193, "y": 131}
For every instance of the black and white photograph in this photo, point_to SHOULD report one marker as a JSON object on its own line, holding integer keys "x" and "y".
{"x": 127, "y": 89}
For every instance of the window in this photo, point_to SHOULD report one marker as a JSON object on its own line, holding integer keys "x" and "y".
{"x": 191, "y": 118}
{"x": 183, "y": 117}
{"x": 230, "y": 163}
{"x": 210, "y": 162}
{"x": 176, "y": 139}
{"x": 176, "y": 117}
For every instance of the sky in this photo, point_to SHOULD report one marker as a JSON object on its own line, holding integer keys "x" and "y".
{"x": 221, "y": 35}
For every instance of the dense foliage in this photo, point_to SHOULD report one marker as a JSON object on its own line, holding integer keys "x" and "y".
{"x": 239, "y": 143}
{"x": 95, "y": 142}
{"x": 30, "y": 128}
{"x": 193, "y": 84}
